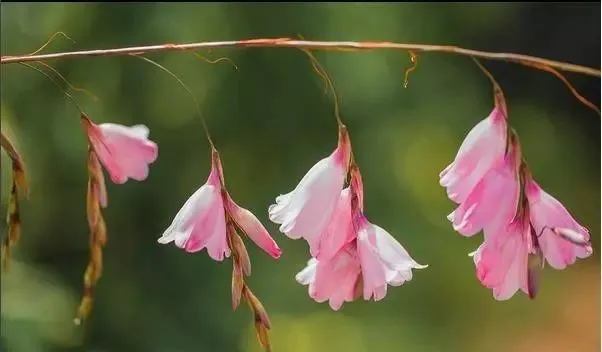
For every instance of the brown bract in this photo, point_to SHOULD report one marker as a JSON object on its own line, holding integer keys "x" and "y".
{"x": 14, "y": 217}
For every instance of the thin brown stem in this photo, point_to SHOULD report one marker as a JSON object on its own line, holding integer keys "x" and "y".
{"x": 534, "y": 61}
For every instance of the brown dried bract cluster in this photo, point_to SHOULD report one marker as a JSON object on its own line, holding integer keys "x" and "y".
{"x": 241, "y": 267}
{"x": 98, "y": 234}
{"x": 13, "y": 217}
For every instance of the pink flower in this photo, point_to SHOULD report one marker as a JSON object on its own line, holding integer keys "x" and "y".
{"x": 351, "y": 248}
{"x": 334, "y": 279}
{"x": 201, "y": 222}
{"x": 502, "y": 266}
{"x": 306, "y": 211}
{"x": 374, "y": 254}
{"x": 493, "y": 201}
{"x": 511, "y": 257}
{"x": 481, "y": 149}
{"x": 124, "y": 151}
{"x": 561, "y": 238}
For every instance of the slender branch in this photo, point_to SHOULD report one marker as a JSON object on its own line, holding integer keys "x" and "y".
{"x": 526, "y": 60}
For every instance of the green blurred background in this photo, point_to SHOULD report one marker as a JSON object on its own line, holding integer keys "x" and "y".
{"x": 272, "y": 122}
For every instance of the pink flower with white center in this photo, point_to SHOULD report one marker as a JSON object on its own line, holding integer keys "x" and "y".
{"x": 201, "y": 222}
{"x": 561, "y": 238}
{"x": 494, "y": 200}
{"x": 351, "y": 247}
{"x": 480, "y": 151}
{"x": 307, "y": 210}
{"x": 124, "y": 151}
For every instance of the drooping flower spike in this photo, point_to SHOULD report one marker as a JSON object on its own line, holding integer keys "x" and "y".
{"x": 523, "y": 226}
{"x": 125, "y": 152}
{"x": 355, "y": 255}
{"x": 211, "y": 219}
{"x": 202, "y": 220}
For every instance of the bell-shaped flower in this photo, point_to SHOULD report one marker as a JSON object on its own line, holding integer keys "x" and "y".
{"x": 493, "y": 201}
{"x": 561, "y": 238}
{"x": 355, "y": 255}
{"x": 201, "y": 222}
{"x": 124, "y": 151}
{"x": 306, "y": 211}
{"x": 479, "y": 152}
{"x": 503, "y": 266}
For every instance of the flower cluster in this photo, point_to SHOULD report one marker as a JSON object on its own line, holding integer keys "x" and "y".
{"x": 523, "y": 226}
{"x": 350, "y": 255}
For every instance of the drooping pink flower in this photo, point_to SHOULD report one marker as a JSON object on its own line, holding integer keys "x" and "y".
{"x": 306, "y": 211}
{"x": 124, "y": 151}
{"x": 351, "y": 248}
{"x": 556, "y": 230}
{"x": 479, "y": 152}
{"x": 201, "y": 222}
{"x": 494, "y": 200}
{"x": 503, "y": 265}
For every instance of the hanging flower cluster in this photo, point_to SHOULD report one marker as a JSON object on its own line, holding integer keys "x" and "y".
{"x": 350, "y": 257}
{"x": 523, "y": 226}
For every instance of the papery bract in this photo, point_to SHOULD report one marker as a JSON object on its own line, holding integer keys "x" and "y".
{"x": 306, "y": 211}
{"x": 124, "y": 151}
{"x": 548, "y": 214}
{"x": 480, "y": 150}
{"x": 201, "y": 223}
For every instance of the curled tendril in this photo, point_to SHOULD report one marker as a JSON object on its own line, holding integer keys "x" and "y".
{"x": 215, "y": 61}
{"x": 407, "y": 71}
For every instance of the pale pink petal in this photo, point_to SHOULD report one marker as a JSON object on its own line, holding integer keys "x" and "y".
{"x": 479, "y": 151}
{"x": 340, "y": 229}
{"x": 249, "y": 223}
{"x": 502, "y": 266}
{"x": 180, "y": 228}
{"x": 201, "y": 222}
{"x": 396, "y": 260}
{"x": 493, "y": 201}
{"x": 125, "y": 151}
{"x": 373, "y": 270}
{"x": 306, "y": 211}
{"x": 548, "y": 213}
{"x": 333, "y": 279}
